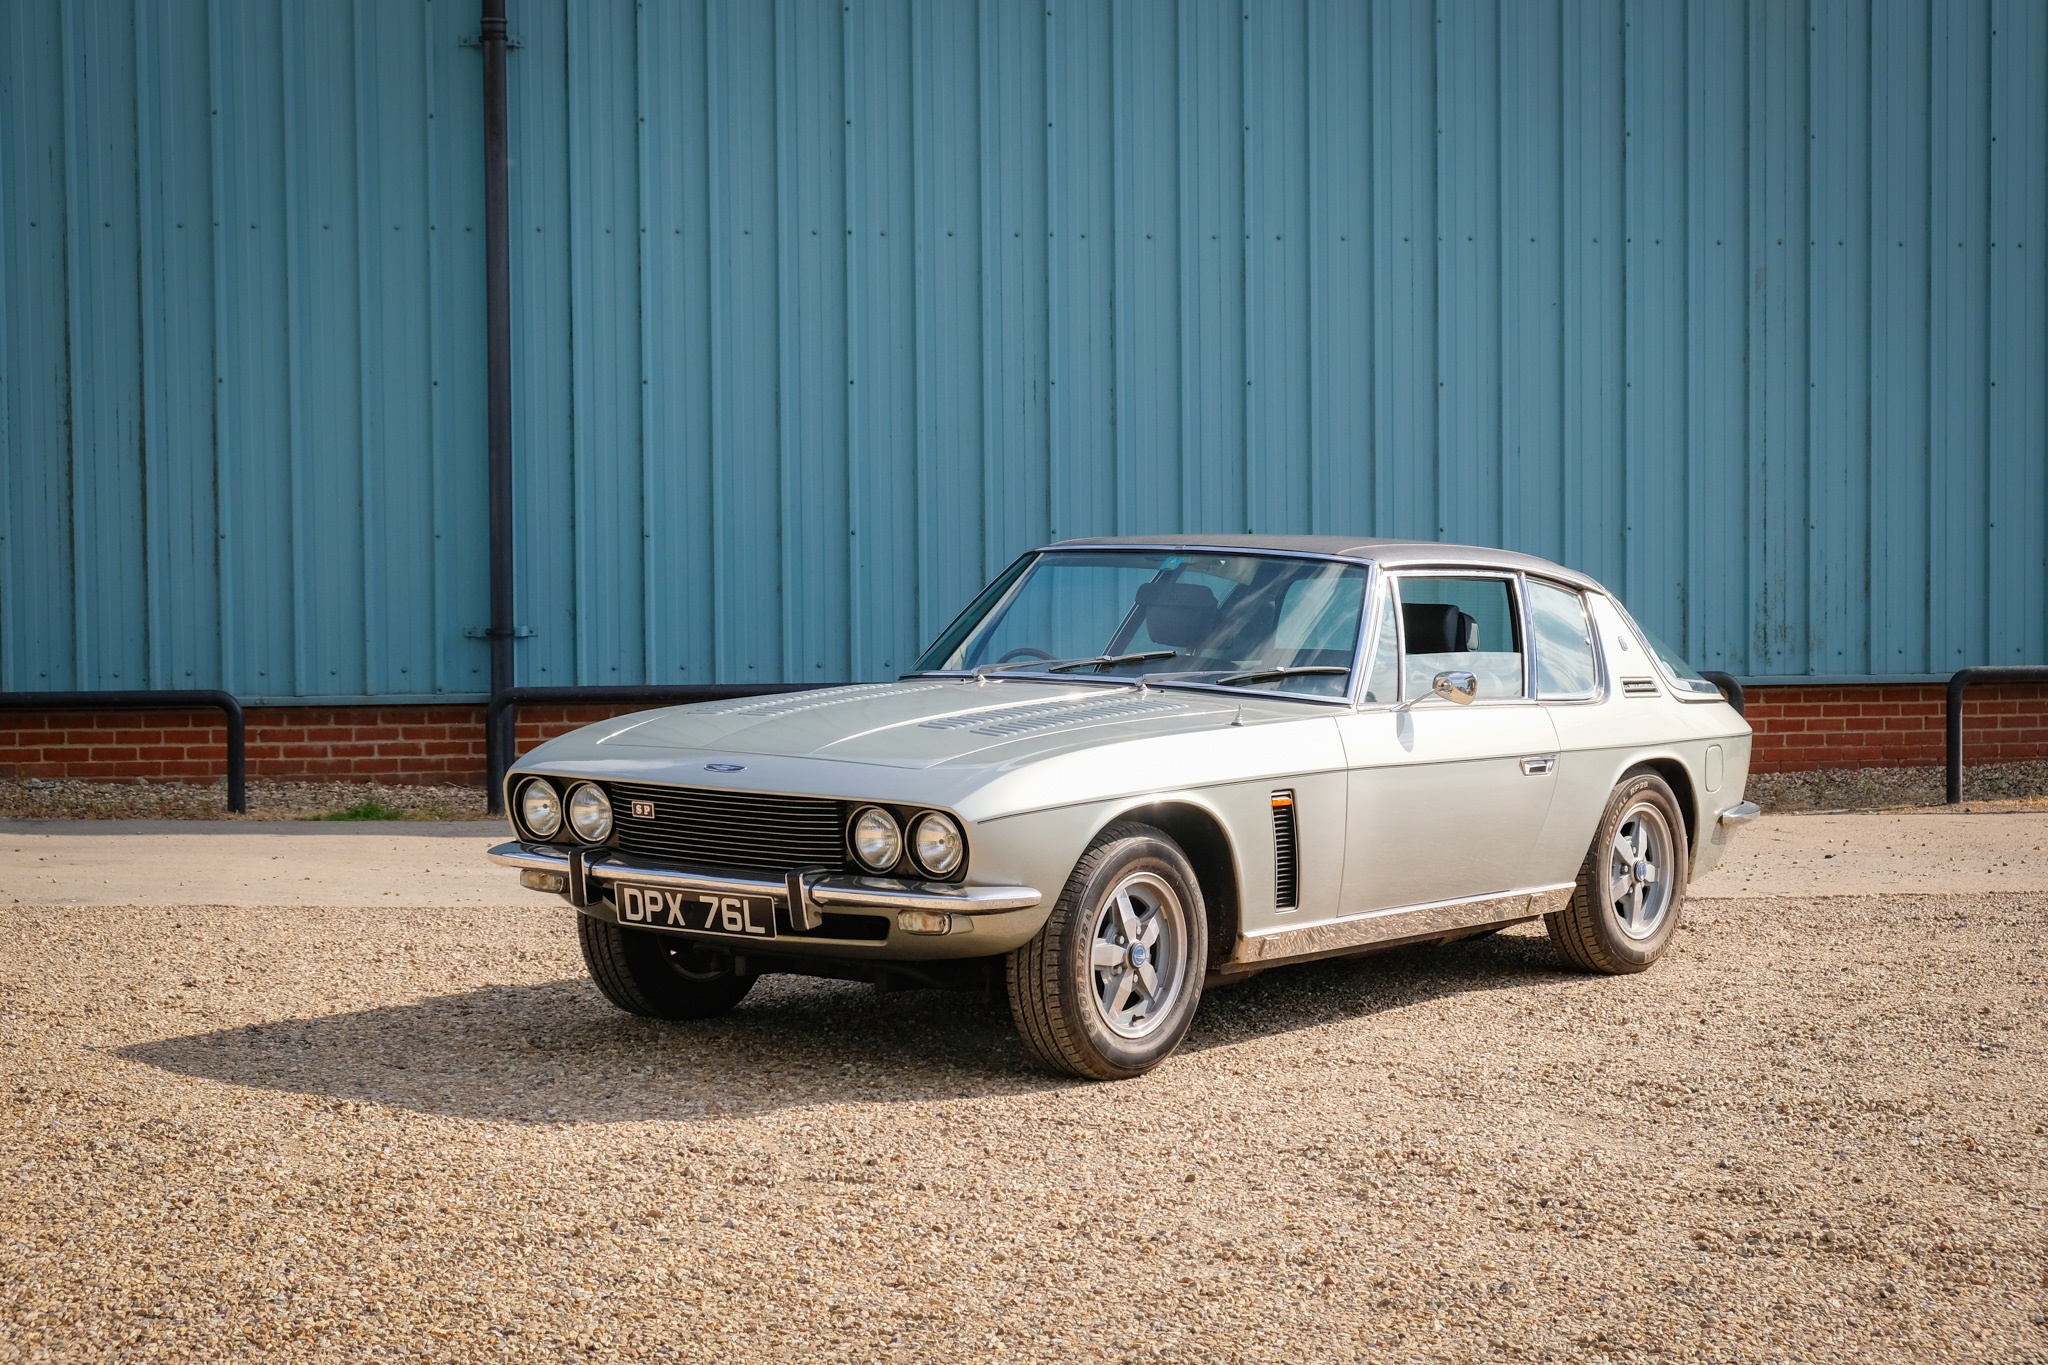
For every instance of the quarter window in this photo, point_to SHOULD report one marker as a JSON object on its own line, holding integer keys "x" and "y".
{"x": 1461, "y": 623}
{"x": 1564, "y": 645}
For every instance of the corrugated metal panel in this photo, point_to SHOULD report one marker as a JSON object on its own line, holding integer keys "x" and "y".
{"x": 824, "y": 311}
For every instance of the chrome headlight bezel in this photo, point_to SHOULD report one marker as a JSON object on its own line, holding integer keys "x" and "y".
{"x": 552, "y": 814}
{"x": 944, "y": 862}
{"x": 885, "y": 835}
{"x": 587, "y": 798}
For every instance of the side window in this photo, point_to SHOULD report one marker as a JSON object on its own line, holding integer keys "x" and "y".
{"x": 1461, "y": 623}
{"x": 1564, "y": 644}
{"x": 1382, "y": 680}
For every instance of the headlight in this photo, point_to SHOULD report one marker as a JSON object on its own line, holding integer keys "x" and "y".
{"x": 590, "y": 812}
{"x": 540, "y": 809}
{"x": 876, "y": 840}
{"x": 936, "y": 842}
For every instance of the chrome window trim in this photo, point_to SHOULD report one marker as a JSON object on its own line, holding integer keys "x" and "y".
{"x": 1368, "y": 631}
{"x": 1201, "y": 547}
{"x": 1512, "y": 577}
{"x": 1601, "y": 680}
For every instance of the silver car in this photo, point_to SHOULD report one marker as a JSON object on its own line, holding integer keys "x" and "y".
{"x": 1136, "y": 768}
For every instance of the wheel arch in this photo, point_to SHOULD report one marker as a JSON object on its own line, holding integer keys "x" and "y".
{"x": 1679, "y": 779}
{"x": 1205, "y": 839}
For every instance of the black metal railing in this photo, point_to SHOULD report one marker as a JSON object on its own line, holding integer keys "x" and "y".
{"x": 2020, "y": 673}
{"x": 167, "y": 700}
{"x": 1730, "y": 689}
{"x": 501, "y": 718}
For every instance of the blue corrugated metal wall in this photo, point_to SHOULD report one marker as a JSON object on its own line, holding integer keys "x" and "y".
{"x": 824, "y": 311}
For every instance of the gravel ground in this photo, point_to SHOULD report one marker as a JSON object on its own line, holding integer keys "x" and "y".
{"x": 1815, "y": 1132}
{"x": 51, "y": 799}
{"x": 2024, "y": 784}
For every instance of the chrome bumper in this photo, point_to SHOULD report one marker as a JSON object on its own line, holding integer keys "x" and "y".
{"x": 1737, "y": 816}
{"x": 802, "y": 890}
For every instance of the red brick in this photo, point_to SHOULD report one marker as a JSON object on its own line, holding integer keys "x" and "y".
{"x": 351, "y": 750}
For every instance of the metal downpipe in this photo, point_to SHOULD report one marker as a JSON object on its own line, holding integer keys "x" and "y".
{"x": 498, "y": 736}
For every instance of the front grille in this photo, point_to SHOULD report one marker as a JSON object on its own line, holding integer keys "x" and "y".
{"x": 737, "y": 831}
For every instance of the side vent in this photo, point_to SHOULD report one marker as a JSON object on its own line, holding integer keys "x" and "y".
{"x": 1286, "y": 853}
{"x": 1638, "y": 687}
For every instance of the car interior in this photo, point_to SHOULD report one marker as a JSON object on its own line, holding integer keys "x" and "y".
{"x": 1284, "y": 618}
{"x": 1467, "y": 624}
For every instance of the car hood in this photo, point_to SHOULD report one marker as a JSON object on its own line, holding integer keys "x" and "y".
{"x": 921, "y": 722}
{"x": 981, "y": 749}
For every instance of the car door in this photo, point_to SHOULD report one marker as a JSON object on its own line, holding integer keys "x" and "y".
{"x": 1446, "y": 801}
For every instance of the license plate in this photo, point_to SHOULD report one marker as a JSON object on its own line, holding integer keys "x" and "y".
{"x": 659, "y": 907}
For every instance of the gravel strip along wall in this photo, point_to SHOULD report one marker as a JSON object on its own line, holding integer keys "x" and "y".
{"x": 39, "y": 798}
{"x": 1814, "y": 1132}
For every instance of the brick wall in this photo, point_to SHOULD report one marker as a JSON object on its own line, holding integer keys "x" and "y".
{"x": 1892, "y": 725}
{"x": 1797, "y": 728}
{"x": 399, "y": 744}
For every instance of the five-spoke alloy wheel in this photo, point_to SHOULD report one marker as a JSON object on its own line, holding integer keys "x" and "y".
{"x": 1140, "y": 947}
{"x": 1109, "y": 986}
{"x": 1639, "y": 871}
{"x": 1624, "y": 908}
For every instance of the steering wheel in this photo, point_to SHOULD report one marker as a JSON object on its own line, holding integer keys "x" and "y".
{"x": 1024, "y": 652}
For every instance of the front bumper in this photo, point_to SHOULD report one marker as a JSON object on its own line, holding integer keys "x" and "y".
{"x": 987, "y": 913}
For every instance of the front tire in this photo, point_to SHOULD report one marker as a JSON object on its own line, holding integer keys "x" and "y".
{"x": 1624, "y": 910}
{"x": 1109, "y": 986}
{"x": 657, "y": 975}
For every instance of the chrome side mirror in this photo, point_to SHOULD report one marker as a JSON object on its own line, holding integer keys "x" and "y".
{"x": 1456, "y": 686}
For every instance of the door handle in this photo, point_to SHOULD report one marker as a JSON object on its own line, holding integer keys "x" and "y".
{"x": 1536, "y": 765}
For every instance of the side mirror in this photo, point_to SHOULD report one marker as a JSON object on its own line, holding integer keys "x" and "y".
{"x": 1456, "y": 686}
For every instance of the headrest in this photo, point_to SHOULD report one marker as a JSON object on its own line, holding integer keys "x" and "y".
{"x": 1178, "y": 614}
{"x": 1438, "y": 628}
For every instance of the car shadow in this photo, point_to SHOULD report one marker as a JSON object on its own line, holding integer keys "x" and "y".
{"x": 555, "y": 1052}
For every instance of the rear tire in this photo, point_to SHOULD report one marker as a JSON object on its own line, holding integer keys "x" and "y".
{"x": 656, "y": 975}
{"x": 1624, "y": 910}
{"x": 1109, "y": 986}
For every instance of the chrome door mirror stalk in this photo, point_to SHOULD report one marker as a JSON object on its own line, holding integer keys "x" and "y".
{"x": 1456, "y": 686}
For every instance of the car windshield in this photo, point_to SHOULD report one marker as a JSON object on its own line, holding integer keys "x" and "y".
{"x": 1263, "y": 623}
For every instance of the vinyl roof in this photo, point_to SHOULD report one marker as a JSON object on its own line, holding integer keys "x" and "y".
{"x": 1390, "y": 554}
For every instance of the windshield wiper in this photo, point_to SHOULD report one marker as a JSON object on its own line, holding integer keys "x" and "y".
{"x": 1062, "y": 665}
{"x": 1111, "y": 660}
{"x": 1264, "y": 673}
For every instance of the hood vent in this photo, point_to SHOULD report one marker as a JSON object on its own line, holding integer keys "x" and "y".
{"x": 1007, "y": 722}
{"x": 789, "y": 704}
